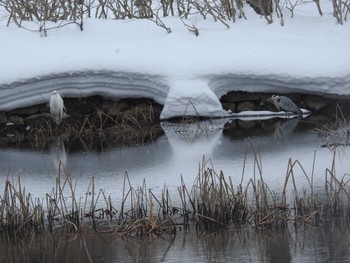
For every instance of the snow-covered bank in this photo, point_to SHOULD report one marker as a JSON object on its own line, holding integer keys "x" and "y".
{"x": 83, "y": 84}
{"x": 310, "y": 54}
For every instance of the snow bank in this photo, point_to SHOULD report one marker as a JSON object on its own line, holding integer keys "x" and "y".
{"x": 185, "y": 73}
{"x": 106, "y": 84}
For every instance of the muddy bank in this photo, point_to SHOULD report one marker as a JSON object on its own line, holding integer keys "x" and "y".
{"x": 127, "y": 121}
{"x": 131, "y": 121}
{"x": 243, "y": 101}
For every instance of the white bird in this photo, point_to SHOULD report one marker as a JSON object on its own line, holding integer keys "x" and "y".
{"x": 56, "y": 107}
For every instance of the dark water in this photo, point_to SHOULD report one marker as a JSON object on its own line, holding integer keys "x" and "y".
{"x": 329, "y": 243}
{"x": 229, "y": 145}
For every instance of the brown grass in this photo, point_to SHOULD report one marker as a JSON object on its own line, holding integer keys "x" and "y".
{"x": 98, "y": 130}
{"x": 336, "y": 132}
{"x": 212, "y": 202}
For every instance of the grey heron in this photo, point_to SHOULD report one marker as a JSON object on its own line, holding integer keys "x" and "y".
{"x": 285, "y": 103}
{"x": 56, "y": 107}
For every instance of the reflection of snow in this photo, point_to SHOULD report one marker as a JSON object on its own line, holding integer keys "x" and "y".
{"x": 265, "y": 115}
{"x": 189, "y": 143}
{"x": 176, "y": 154}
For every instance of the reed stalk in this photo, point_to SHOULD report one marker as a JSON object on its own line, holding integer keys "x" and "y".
{"x": 212, "y": 202}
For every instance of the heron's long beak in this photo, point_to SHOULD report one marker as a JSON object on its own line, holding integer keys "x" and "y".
{"x": 270, "y": 100}
{"x": 273, "y": 101}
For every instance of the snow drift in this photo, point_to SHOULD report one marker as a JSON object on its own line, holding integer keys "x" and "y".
{"x": 185, "y": 73}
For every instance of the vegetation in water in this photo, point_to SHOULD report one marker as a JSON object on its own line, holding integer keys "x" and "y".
{"x": 212, "y": 202}
{"x": 335, "y": 132}
{"x": 92, "y": 122}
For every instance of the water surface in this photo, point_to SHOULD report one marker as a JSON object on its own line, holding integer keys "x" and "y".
{"x": 326, "y": 244}
{"x": 177, "y": 153}
{"x": 241, "y": 153}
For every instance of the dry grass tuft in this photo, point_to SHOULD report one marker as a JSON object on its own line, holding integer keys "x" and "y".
{"x": 336, "y": 132}
{"x": 212, "y": 202}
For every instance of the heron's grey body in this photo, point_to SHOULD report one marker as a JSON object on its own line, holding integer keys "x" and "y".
{"x": 56, "y": 107}
{"x": 285, "y": 103}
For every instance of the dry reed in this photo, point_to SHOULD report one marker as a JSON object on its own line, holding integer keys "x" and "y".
{"x": 212, "y": 202}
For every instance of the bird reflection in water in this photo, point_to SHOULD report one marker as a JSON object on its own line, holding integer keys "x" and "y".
{"x": 58, "y": 152}
{"x": 285, "y": 127}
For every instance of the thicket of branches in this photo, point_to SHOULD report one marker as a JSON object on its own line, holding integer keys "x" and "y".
{"x": 64, "y": 12}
